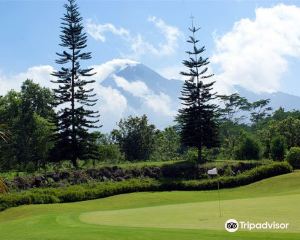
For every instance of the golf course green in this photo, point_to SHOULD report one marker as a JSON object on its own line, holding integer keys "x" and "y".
{"x": 163, "y": 215}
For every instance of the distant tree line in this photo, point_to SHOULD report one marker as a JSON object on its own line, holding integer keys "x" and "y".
{"x": 28, "y": 133}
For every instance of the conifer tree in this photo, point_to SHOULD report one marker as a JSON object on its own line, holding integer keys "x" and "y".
{"x": 75, "y": 116}
{"x": 197, "y": 118}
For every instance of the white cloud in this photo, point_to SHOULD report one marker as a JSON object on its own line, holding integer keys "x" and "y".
{"x": 110, "y": 100}
{"x": 254, "y": 54}
{"x": 111, "y": 104}
{"x": 136, "y": 88}
{"x": 170, "y": 33}
{"x": 172, "y": 72}
{"x": 107, "y": 68}
{"x": 137, "y": 43}
{"x": 97, "y": 31}
{"x": 159, "y": 103}
{"x": 39, "y": 74}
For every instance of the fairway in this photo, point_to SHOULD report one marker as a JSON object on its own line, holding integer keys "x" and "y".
{"x": 164, "y": 215}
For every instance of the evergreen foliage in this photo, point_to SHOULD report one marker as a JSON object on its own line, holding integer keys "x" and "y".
{"x": 72, "y": 93}
{"x": 233, "y": 104}
{"x": 278, "y": 148}
{"x": 260, "y": 110}
{"x": 136, "y": 138}
{"x": 167, "y": 145}
{"x": 293, "y": 157}
{"x": 197, "y": 118}
{"x": 248, "y": 148}
{"x": 26, "y": 118}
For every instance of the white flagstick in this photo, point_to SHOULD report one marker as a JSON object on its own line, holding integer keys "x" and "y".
{"x": 220, "y": 214}
{"x": 214, "y": 171}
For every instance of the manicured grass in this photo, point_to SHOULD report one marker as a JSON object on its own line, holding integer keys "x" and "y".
{"x": 204, "y": 215}
{"x": 162, "y": 215}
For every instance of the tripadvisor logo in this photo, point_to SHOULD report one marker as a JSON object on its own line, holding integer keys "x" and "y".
{"x": 232, "y": 225}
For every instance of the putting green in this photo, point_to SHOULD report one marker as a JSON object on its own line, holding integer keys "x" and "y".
{"x": 204, "y": 215}
{"x": 176, "y": 215}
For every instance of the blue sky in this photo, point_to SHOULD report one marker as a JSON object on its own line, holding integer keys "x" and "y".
{"x": 29, "y": 29}
{"x": 255, "y": 44}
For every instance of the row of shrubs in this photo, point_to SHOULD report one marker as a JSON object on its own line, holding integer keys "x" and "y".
{"x": 249, "y": 147}
{"x": 105, "y": 189}
{"x": 179, "y": 170}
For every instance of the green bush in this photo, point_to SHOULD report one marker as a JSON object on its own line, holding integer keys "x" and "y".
{"x": 248, "y": 148}
{"x": 106, "y": 189}
{"x": 110, "y": 153}
{"x": 191, "y": 155}
{"x": 25, "y": 198}
{"x": 293, "y": 157}
{"x": 210, "y": 154}
{"x": 228, "y": 171}
{"x": 30, "y": 167}
{"x": 278, "y": 148}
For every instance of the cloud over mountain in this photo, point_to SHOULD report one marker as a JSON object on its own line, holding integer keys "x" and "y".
{"x": 104, "y": 70}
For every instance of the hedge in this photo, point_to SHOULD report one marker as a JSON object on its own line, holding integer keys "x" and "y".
{"x": 250, "y": 176}
{"x": 105, "y": 189}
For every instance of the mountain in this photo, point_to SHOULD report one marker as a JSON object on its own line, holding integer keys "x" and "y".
{"x": 147, "y": 92}
{"x": 277, "y": 99}
{"x": 150, "y": 81}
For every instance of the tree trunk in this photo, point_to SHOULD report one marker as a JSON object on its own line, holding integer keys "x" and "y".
{"x": 74, "y": 144}
{"x": 74, "y": 160}
{"x": 199, "y": 155}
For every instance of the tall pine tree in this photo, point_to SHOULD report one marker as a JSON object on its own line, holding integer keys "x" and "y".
{"x": 197, "y": 117}
{"x": 72, "y": 94}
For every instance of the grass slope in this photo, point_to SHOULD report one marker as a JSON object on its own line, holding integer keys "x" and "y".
{"x": 162, "y": 215}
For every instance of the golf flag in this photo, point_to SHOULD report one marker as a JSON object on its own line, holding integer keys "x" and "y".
{"x": 213, "y": 171}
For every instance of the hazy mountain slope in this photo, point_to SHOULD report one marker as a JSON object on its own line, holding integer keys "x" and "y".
{"x": 278, "y": 99}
